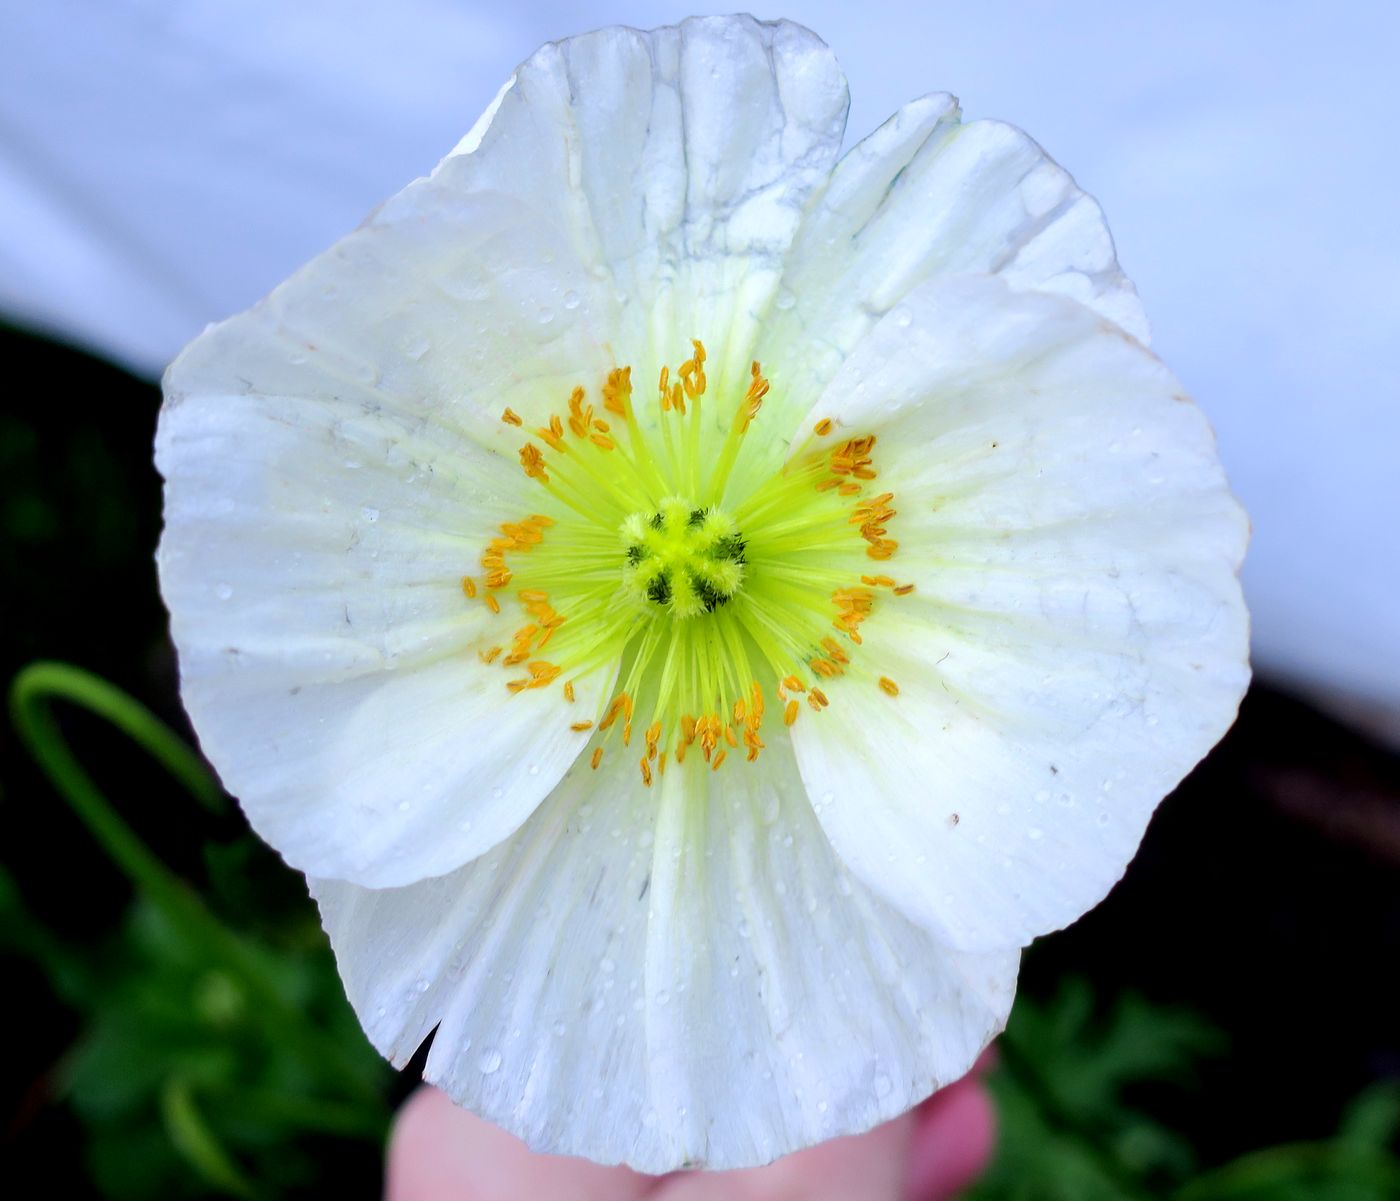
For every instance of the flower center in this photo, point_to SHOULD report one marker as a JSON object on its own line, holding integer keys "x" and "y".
{"x": 684, "y": 559}
{"x": 718, "y": 591}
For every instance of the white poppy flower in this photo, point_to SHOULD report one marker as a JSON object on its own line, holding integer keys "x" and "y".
{"x": 696, "y": 609}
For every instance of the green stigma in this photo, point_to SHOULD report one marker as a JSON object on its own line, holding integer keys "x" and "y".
{"x": 681, "y": 558}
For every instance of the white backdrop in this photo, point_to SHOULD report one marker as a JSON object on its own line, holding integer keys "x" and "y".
{"x": 163, "y": 163}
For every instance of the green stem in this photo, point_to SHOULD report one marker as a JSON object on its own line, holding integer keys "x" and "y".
{"x": 192, "y": 1137}
{"x": 30, "y": 696}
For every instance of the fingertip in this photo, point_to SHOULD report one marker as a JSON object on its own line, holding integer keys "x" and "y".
{"x": 440, "y": 1152}
{"x": 953, "y": 1139}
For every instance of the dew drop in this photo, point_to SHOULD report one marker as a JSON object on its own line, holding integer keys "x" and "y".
{"x": 489, "y": 1062}
{"x": 1035, "y": 833}
{"x": 545, "y": 316}
{"x": 571, "y": 299}
{"x": 404, "y": 806}
{"x": 223, "y": 591}
{"x": 884, "y": 1086}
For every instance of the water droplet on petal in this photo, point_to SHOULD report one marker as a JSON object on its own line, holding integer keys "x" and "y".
{"x": 223, "y": 591}
{"x": 490, "y": 1061}
{"x": 571, "y": 299}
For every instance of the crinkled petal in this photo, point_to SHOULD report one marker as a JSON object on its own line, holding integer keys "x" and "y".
{"x": 1077, "y": 638}
{"x": 334, "y": 466}
{"x": 681, "y": 159}
{"x": 926, "y": 195}
{"x": 682, "y": 975}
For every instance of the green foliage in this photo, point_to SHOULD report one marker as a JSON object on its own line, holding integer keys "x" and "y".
{"x": 212, "y": 1060}
{"x": 1071, "y": 1132}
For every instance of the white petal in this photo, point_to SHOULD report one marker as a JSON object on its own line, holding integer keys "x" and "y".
{"x": 681, "y": 159}
{"x": 334, "y": 465}
{"x": 1077, "y": 640}
{"x": 663, "y": 977}
{"x": 924, "y": 196}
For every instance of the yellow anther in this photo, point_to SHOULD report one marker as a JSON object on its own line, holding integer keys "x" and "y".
{"x": 533, "y": 462}
{"x": 833, "y": 648}
{"x": 617, "y": 392}
{"x": 602, "y": 441}
{"x": 646, "y": 771}
{"x": 793, "y": 684}
{"x": 579, "y": 726}
{"x": 492, "y": 603}
{"x": 718, "y": 759}
{"x": 612, "y": 713}
{"x": 469, "y": 586}
{"x": 569, "y": 691}
{"x": 729, "y": 735}
{"x": 904, "y": 590}
{"x": 510, "y": 417}
{"x": 597, "y": 757}
{"x": 877, "y": 581}
{"x": 823, "y": 427}
{"x": 490, "y": 656}
{"x": 888, "y": 686}
{"x": 790, "y": 713}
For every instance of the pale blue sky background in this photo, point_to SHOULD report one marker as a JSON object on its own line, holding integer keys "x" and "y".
{"x": 164, "y": 163}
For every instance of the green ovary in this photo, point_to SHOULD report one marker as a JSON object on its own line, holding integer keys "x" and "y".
{"x": 683, "y": 559}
